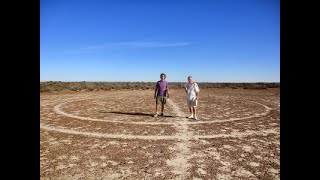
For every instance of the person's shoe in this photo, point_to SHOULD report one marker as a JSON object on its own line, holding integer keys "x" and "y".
{"x": 161, "y": 114}
{"x": 190, "y": 117}
{"x": 195, "y": 118}
{"x": 155, "y": 115}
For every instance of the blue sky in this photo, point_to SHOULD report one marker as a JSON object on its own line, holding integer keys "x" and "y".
{"x": 122, "y": 40}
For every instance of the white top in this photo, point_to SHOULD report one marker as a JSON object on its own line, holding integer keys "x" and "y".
{"x": 191, "y": 90}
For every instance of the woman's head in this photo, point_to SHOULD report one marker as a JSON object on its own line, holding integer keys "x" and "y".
{"x": 163, "y": 75}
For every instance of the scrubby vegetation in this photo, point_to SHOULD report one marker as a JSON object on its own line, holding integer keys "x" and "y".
{"x": 57, "y": 86}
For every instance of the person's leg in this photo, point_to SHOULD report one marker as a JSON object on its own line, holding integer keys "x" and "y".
{"x": 191, "y": 114}
{"x": 162, "y": 108}
{"x": 195, "y": 112}
{"x": 163, "y": 102}
{"x": 157, "y": 107}
{"x": 190, "y": 109}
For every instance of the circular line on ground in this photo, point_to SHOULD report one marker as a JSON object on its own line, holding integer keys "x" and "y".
{"x": 146, "y": 137}
{"x": 58, "y": 111}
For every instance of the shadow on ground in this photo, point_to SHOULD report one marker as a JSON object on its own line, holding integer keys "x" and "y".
{"x": 138, "y": 114}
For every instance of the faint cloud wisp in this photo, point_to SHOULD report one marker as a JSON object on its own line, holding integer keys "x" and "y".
{"x": 133, "y": 44}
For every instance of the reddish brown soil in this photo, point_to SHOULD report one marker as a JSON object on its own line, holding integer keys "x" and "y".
{"x": 112, "y": 135}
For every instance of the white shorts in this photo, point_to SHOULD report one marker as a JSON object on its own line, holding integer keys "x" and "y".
{"x": 192, "y": 103}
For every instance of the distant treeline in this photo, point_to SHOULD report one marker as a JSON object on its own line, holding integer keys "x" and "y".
{"x": 56, "y": 86}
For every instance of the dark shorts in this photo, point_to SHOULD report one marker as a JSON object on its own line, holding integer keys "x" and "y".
{"x": 161, "y": 100}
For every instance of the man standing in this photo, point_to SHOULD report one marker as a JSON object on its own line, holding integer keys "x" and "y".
{"x": 192, "y": 90}
{"x": 161, "y": 93}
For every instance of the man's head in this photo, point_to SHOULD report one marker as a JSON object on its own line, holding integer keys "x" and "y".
{"x": 190, "y": 79}
{"x": 163, "y": 76}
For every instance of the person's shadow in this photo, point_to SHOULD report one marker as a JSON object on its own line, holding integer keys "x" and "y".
{"x": 135, "y": 114}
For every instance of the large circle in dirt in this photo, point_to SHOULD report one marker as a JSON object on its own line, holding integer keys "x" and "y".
{"x": 136, "y": 112}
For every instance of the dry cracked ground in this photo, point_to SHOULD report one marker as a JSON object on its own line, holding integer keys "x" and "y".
{"x": 112, "y": 135}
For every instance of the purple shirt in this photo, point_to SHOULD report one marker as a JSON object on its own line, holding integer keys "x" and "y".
{"x": 162, "y": 88}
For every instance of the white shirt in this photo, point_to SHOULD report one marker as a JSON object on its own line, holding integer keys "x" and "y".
{"x": 191, "y": 90}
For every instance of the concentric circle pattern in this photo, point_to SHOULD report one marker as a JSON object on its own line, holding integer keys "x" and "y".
{"x": 113, "y": 135}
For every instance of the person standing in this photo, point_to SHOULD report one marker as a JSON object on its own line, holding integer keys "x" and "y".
{"x": 192, "y": 90}
{"x": 161, "y": 94}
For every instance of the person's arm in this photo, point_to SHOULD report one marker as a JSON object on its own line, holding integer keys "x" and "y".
{"x": 197, "y": 95}
{"x": 197, "y": 90}
{"x": 167, "y": 91}
{"x": 155, "y": 91}
{"x": 185, "y": 88}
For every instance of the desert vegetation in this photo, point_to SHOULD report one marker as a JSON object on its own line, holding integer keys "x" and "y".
{"x": 58, "y": 86}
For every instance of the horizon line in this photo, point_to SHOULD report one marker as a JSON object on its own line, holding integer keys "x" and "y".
{"x": 170, "y": 81}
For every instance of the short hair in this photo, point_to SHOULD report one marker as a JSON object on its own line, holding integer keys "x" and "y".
{"x": 163, "y": 74}
{"x": 189, "y": 77}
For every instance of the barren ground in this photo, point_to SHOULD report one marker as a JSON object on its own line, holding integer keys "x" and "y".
{"x": 112, "y": 135}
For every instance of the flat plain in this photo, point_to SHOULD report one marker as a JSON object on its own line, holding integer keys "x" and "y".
{"x": 112, "y": 135}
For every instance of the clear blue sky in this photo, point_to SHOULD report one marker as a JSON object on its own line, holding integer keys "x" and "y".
{"x": 123, "y": 40}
